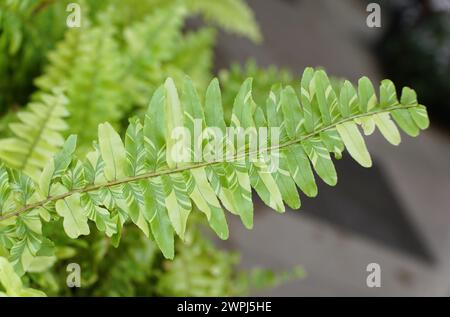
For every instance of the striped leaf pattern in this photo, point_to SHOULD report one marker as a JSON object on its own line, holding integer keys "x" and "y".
{"x": 157, "y": 177}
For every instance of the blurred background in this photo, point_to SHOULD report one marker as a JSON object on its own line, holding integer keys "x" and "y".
{"x": 396, "y": 214}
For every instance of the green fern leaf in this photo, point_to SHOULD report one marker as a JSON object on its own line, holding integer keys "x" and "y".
{"x": 155, "y": 178}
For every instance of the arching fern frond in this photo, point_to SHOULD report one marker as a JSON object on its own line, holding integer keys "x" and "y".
{"x": 155, "y": 176}
{"x": 37, "y": 135}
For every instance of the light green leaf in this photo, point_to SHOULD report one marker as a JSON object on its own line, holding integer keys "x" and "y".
{"x": 285, "y": 183}
{"x": 300, "y": 170}
{"x": 8, "y": 278}
{"x": 333, "y": 142}
{"x": 420, "y": 116}
{"x": 244, "y": 106}
{"x": 5, "y": 189}
{"x": 367, "y": 96}
{"x": 154, "y": 130}
{"x": 404, "y": 117}
{"x": 406, "y": 122}
{"x": 354, "y": 142}
{"x": 12, "y": 283}
{"x": 292, "y": 111}
{"x": 134, "y": 146}
{"x": 20, "y": 256}
{"x": 177, "y": 202}
{"x": 388, "y": 94}
{"x": 99, "y": 215}
{"x": 326, "y": 97}
{"x": 176, "y": 153}
{"x": 134, "y": 197}
{"x": 321, "y": 160}
{"x": 262, "y": 181}
{"x": 75, "y": 220}
{"x": 206, "y": 200}
{"x": 213, "y": 106}
{"x": 387, "y": 128}
{"x": 348, "y": 100}
{"x": 113, "y": 152}
{"x": 306, "y": 98}
{"x": 160, "y": 224}
{"x": 22, "y": 186}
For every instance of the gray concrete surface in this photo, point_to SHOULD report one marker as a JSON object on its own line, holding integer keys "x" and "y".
{"x": 333, "y": 34}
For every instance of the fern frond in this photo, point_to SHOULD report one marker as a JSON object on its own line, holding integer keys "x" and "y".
{"x": 154, "y": 179}
{"x": 97, "y": 71}
{"x": 87, "y": 60}
{"x": 156, "y": 48}
{"x": 149, "y": 45}
{"x": 60, "y": 62}
{"x": 37, "y": 135}
{"x": 232, "y": 15}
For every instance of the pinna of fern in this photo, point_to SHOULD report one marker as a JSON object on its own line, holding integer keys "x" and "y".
{"x": 139, "y": 180}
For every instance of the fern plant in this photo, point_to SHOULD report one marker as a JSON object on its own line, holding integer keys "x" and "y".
{"x": 63, "y": 199}
{"x": 122, "y": 65}
{"x": 23, "y": 49}
{"x": 171, "y": 53}
{"x": 139, "y": 180}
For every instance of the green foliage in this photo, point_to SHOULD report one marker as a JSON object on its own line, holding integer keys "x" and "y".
{"x": 140, "y": 180}
{"x": 199, "y": 269}
{"x": 37, "y": 136}
{"x": 12, "y": 285}
{"x": 232, "y": 15}
{"x": 22, "y": 46}
{"x": 23, "y": 49}
{"x": 118, "y": 62}
{"x": 232, "y": 78}
{"x": 74, "y": 201}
